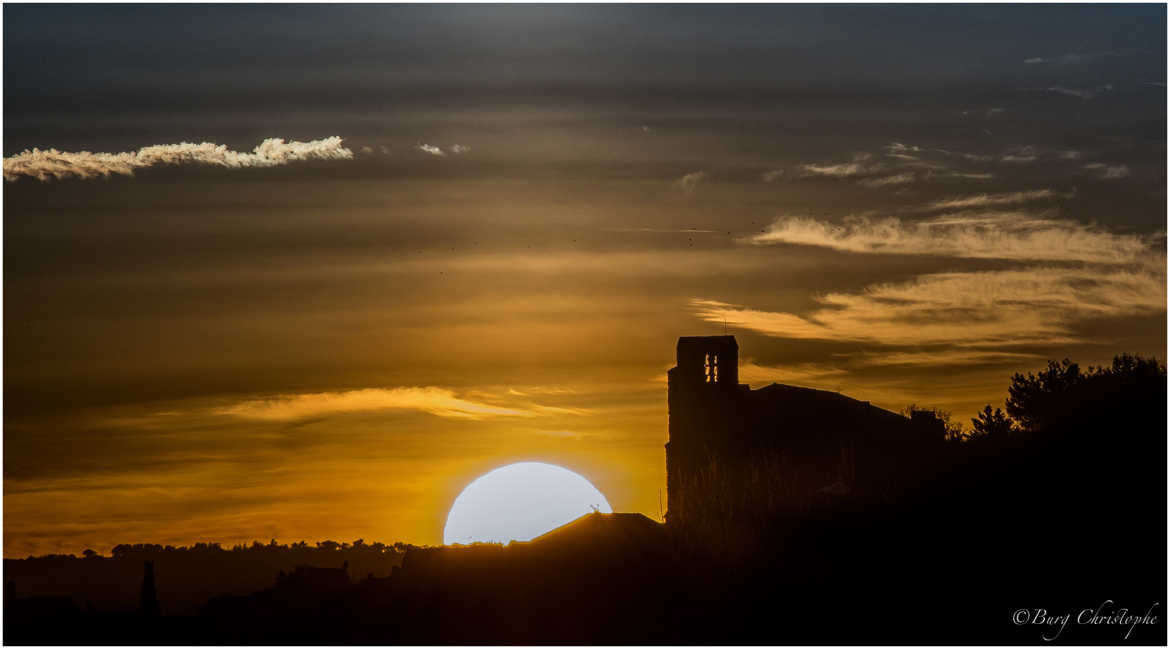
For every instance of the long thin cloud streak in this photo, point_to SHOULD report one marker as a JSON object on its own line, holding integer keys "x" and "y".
{"x": 991, "y": 308}
{"x": 840, "y": 369}
{"x": 272, "y": 152}
{"x": 1003, "y": 235}
{"x": 986, "y": 200}
{"x": 436, "y": 401}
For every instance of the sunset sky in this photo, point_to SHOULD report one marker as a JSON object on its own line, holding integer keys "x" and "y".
{"x": 498, "y": 221}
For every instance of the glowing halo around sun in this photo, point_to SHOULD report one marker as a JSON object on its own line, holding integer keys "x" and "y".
{"x": 519, "y": 502}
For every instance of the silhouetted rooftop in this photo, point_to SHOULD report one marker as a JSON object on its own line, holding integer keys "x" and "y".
{"x": 704, "y": 339}
{"x": 796, "y": 392}
{"x": 805, "y": 399}
{"x": 612, "y": 530}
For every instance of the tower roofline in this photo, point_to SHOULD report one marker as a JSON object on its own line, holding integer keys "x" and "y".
{"x": 707, "y": 339}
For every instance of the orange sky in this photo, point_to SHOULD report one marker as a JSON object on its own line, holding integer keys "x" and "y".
{"x": 494, "y": 262}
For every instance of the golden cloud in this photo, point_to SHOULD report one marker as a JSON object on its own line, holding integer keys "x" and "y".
{"x": 988, "y": 308}
{"x": 973, "y": 235}
{"x": 433, "y": 400}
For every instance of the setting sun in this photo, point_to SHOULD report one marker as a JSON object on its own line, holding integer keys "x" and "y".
{"x": 519, "y": 502}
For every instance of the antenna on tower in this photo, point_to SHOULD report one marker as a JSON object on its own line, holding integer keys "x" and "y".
{"x": 724, "y": 325}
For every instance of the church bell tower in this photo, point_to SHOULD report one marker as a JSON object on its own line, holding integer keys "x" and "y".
{"x": 703, "y": 393}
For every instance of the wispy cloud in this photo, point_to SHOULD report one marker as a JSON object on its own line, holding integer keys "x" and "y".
{"x": 887, "y": 181}
{"x": 438, "y": 151}
{"x": 1068, "y": 58}
{"x": 978, "y": 235}
{"x": 1080, "y": 93}
{"x": 968, "y": 175}
{"x": 914, "y": 152}
{"x": 988, "y": 200}
{"x": 940, "y": 358}
{"x": 773, "y": 175}
{"x": 1021, "y": 154}
{"x": 901, "y": 164}
{"x": 799, "y": 373}
{"x": 1030, "y": 306}
{"x": 1116, "y": 275}
{"x": 51, "y": 163}
{"x": 433, "y": 400}
{"x": 688, "y": 182}
{"x": 1073, "y": 92}
{"x": 1031, "y": 153}
{"x": 842, "y": 369}
{"x": 1108, "y": 172}
{"x": 861, "y": 165}
{"x": 841, "y": 170}
{"x": 974, "y": 157}
{"x": 899, "y": 148}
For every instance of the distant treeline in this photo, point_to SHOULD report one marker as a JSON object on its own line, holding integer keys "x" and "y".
{"x": 127, "y": 550}
{"x": 187, "y": 576}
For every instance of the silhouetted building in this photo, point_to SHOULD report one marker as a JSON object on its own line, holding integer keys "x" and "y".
{"x": 738, "y": 455}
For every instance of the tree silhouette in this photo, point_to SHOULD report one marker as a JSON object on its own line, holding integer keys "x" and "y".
{"x": 1063, "y": 396}
{"x": 991, "y": 423}
{"x": 951, "y": 431}
{"x": 1035, "y": 401}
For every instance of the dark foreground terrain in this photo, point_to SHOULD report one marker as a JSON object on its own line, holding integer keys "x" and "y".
{"x": 1064, "y": 514}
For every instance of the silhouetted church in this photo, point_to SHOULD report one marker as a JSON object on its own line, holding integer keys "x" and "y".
{"x": 741, "y": 455}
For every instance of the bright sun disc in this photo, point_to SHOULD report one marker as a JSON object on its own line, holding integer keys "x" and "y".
{"x": 519, "y": 502}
